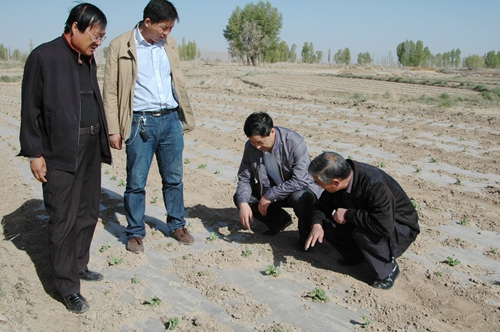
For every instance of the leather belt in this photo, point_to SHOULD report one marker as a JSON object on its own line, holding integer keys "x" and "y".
{"x": 92, "y": 130}
{"x": 160, "y": 112}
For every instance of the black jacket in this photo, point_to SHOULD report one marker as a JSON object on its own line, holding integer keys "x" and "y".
{"x": 377, "y": 203}
{"x": 50, "y": 106}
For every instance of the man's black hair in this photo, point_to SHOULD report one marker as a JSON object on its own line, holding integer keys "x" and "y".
{"x": 258, "y": 124}
{"x": 329, "y": 166}
{"x": 159, "y": 11}
{"x": 85, "y": 15}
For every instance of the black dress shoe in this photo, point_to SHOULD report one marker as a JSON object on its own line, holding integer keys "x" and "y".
{"x": 388, "y": 281}
{"x": 346, "y": 262}
{"x": 76, "y": 303}
{"x": 281, "y": 226}
{"x": 90, "y": 275}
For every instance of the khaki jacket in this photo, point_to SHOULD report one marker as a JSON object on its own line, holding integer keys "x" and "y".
{"x": 119, "y": 83}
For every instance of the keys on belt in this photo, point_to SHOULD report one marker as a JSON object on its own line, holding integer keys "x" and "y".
{"x": 92, "y": 130}
{"x": 160, "y": 112}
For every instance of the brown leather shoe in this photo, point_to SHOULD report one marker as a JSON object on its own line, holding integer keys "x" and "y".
{"x": 183, "y": 236}
{"x": 135, "y": 245}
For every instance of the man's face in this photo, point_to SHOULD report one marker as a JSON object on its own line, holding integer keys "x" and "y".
{"x": 86, "y": 42}
{"x": 156, "y": 32}
{"x": 330, "y": 187}
{"x": 264, "y": 143}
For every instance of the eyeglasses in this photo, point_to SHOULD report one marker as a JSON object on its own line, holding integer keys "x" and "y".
{"x": 96, "y": 39}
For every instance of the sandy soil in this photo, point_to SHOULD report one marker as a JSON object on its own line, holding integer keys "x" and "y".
{"x": 445, "y": 155}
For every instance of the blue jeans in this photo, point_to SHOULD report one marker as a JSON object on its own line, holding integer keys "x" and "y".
{"x": 166, "y": 142}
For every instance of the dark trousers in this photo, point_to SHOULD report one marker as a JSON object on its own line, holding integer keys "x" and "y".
{"x": 355, "y": 243}
{"x": 302, "y": 203}
{"x": 72, "y": 203}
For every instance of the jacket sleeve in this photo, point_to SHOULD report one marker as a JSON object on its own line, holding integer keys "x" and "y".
{"x": 110, "y": 90}
{"x": 324, "y": 208}
{"x": 378, "y": 214}
{"x": 300, "y": 174}
{"x": 31, "y": 107}
{"x": 245, "y": 180}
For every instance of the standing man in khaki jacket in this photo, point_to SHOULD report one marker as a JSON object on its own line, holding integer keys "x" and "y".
{"x": 148, "y": 108}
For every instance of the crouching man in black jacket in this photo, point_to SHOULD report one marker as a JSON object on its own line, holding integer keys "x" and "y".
{"x": 364, "y": 213}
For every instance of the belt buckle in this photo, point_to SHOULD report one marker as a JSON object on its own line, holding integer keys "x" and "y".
{"x": 94, "y": 129}
{"x": 156, "y": 113}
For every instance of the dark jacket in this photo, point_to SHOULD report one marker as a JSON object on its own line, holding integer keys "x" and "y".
{"x": 293, "y": 159}
{"x": 50, "y": 106}
{"x": 377, "y": 203}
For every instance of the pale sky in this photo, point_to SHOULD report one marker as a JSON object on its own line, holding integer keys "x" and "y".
{"x": 375, "y": 26}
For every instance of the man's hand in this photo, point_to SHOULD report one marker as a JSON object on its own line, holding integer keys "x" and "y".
{"x": 317, "y": 234}
{"x": 39, "y": 169}
{"x": 263, "y": 205}
{"x": 339, "y": 216}
{"x": 246, "y": 215}
{"x": 115, "y": 141}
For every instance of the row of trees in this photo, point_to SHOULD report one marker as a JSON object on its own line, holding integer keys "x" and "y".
{"x": 15, "y": 55}
{"x": 411, "y": 54}
{"x": 189, "y": 51}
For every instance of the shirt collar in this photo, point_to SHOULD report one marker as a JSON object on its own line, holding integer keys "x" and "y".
{"x": 140, "y": 41}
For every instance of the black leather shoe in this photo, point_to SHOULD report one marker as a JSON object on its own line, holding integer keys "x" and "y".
{"x": 76, "y": 303}
{"x": 284, "y": 224}
{"x": 345, "y": 262}
{"x": 388, "y": 281}
{"x": 90, "y": 275}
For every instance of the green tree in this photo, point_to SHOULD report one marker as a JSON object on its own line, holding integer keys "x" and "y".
{"x": 491, "y": 60}
{"x": 16, "y": 55}
{"x": 364, "y": 58}
{"x": 318, "y": 57}
{"x": 253, "y": 31}
{"x": 457, "y": 57}
{"x": 293, "y": 53}
{"x": 329, "y": 55}
{"x": 347, "y": 56}
{"x": 473, "y": 62}
{"x": 3, "y": 52}
{"x": 308, "y": 54}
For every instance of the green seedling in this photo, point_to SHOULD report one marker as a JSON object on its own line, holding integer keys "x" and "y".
{"x": 105, "y": 247}
{"x": 212, "y": 237}
{"x": 185, "y": 257}
{"x": 415, "y": 205}
{"x": 319, "y": 294}
{"x": 154, "y": 199}
{"x": 224, "y": 289}
{"x": 366, "y": 322}
{"x": 452, "y": 261}
{"x": 434, "y": 160}
{"x": 121, "y": 183}
{"x": 169, "y": 244}
{"x": 273, "y": 271}
{"x": 217, "y": 172}
{"x": 172, "y": 323}
{"x": 106, "y": 172}
{"x": 418, "y": 170}
{"x": 113, "y": 178}
{"x": 464, "y": 221}
{"x": 458, "y": 182}
{"x": 135, "y": 280}
{"x": 115, "y": 261}
{"x": 439, "y": 273}
{"x": 246, "y": 253}
{"x": 187, "y": 161}
{"x": 153, "y": 301}
{"x": 202, "y": 166}
{"x": 201, "y": 273}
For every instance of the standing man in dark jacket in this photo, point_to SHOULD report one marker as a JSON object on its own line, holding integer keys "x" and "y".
{"x": 64, "y": 134}
{"x": 364, "y": 213}
{"x": 272, "y": 175}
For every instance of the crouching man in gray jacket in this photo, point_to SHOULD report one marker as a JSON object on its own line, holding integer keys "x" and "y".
{"x": 274, "y": 174}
